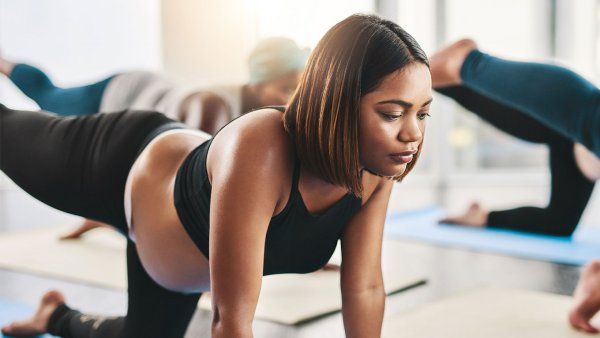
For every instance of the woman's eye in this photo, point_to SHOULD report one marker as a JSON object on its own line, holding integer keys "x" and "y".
{"x": 390, "y": 117}
{"x": 423, "y": 116}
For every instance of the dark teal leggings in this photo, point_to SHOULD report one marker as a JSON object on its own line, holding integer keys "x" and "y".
{"x": 34, "y": 83}
{"x": 555, "y": 96}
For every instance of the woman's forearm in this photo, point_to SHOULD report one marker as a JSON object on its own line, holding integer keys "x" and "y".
{"x": 363, "y": 312}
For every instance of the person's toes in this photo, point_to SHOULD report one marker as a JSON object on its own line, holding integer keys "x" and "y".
{"x": 581, "y": 322}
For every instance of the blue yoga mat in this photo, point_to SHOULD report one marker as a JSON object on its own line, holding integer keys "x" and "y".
{"x": 423, "y": 226}
{"x": 10, "y": 311}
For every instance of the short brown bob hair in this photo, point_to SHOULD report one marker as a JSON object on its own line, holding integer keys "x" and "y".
{"x": 322, "y": 117}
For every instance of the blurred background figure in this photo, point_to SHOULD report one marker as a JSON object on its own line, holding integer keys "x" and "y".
{"x": 274, "y": 68}
{"x": 572, "y": 177}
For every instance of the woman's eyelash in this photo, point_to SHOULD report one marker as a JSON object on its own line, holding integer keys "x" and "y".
{"x": 422, "y": 116}
{"x": 393, "y": 117}
{"x": 390, "y": 117}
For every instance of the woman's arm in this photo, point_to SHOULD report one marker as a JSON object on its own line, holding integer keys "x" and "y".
{"x": 246, "y": 187}
{"x": 363, "y": 295}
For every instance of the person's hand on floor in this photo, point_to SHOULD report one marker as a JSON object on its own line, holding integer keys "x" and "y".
{"x": 86, "y": 226}
{"x": 475, "y": 216}
{"x": 587, "y": 299}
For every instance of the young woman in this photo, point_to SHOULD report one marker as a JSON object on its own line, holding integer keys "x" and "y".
{"x": 571, "y": 165}
{"x": 554, "y": 96}
{"x": 271, "y": 193}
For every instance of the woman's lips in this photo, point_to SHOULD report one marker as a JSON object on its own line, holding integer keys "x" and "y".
{"x": 403, "y": 157}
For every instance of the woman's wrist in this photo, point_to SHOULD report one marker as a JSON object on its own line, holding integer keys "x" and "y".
{"x": 223, "y": 330}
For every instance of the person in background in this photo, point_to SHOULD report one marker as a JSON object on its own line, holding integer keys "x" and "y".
{"x": 558, "y": 98}
{"x": 572, "y": 166}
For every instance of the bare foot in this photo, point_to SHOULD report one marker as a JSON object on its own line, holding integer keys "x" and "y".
{"x": 445, "y": 64}
{"x": 6, "y": 66}
{"x": 587, "y": 299}
{"x": 37, "y": 324}
{"x": 476, "y": 216}
{"x": 86, "y": 226}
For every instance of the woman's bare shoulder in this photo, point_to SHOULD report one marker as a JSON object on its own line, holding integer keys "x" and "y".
{"x": 257, "y": 141}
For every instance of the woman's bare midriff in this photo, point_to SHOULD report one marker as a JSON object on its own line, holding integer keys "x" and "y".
{"x": 165, "y": 249}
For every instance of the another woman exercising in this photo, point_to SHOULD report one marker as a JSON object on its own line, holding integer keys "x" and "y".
{"x": 554, "y": 96}
{"x": 573, "y": 168}
{"x": 274, "y": 65}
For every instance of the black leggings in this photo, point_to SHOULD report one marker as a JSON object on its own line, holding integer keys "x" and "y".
{"x": 571, "y": 190}
{"x": 80, "y": 165}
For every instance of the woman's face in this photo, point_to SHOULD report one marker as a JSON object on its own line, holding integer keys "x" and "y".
{"x": 279, "y": 90}
{"x": 392, "y": 120}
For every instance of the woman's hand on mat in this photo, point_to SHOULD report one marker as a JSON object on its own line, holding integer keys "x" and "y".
{"x": 446, "y": 63}
{"x": 476, "y": 216}
{"x": 86, "y": 226}
{"x": 36, "y": 324}
{"x": 587, "y": 299}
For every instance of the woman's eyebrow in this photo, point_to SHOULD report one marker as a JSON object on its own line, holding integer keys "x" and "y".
{"x": 403, "y": 103}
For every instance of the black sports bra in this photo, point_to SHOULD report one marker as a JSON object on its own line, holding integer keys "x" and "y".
{"x": 296, "y": 242}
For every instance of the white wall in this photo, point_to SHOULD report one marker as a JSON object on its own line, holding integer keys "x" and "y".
{"x": 205, "y": 41}
{"x": 577, "y": 25}
{"x": 510, "y": 28}
{"x": 209, "y": 41}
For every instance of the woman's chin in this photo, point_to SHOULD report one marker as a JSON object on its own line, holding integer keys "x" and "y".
{"x": 389, "y": 171}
